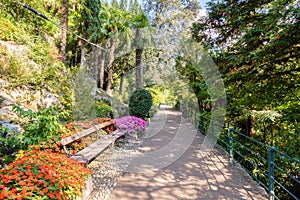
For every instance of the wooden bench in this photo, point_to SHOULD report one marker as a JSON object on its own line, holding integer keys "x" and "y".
{"x": 93, "y": 150}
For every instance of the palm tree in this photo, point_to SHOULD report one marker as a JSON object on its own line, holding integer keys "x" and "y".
{"x": 117, "y": 22}
{"x": 139, "y": 21}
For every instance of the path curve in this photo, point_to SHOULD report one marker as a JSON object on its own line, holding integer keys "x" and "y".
{"x": 190, "y": 177}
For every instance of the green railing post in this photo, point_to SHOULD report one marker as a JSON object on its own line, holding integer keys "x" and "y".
{"x": 230, "y": 145}
{"x": 201, "y": 125}
{"x": 212, "y": 127}
{"x": 271, "y": 172}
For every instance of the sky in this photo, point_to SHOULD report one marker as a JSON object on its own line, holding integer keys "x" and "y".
{"x": 202, "y": 3}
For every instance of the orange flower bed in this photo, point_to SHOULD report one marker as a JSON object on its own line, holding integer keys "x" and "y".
{"x": 43, "y": 174}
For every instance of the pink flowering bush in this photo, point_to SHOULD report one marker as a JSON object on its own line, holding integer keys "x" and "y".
{"x": 132, "y": 125}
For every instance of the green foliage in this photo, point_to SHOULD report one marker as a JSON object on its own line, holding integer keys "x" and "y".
{"x": 103, "y": 110}
{"x": 140, "y": 103}
{"x": 30, "y": 59}
{"x": 40, "y": 125}
{"x": 194, "y": 72}
{"x": 9, "y": 144}
{"x": 256, "y": 49}
{"x": 156, "y": 93}
{"x": 254, "y": 157}
{"x": 84, "y": 102}
{"x": 32, "y": 23}
{"x": 8, "y": 31}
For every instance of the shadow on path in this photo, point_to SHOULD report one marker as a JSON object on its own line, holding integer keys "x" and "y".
{"x": 190, "y": 175}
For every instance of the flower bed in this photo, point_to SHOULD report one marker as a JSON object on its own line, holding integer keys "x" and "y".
{"x": 43, "y": 175}
{"x": 44, "y": 172}
{"x": 132, "y": 125}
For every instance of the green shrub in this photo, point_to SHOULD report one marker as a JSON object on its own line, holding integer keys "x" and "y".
{"x": 9, "y": 144}
{"x": 8, "y": 31}
{"x": 103, "y": 110}
{"x": 140, "y": 103}
{"x": 41, "y": 125}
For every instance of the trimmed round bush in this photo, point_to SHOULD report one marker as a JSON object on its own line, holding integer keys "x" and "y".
{"x": 140, "y": 103}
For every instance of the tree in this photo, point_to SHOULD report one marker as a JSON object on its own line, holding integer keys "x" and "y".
{"x": 172, "y": 20}
{"x": 139, "y": 21}
{"x": 170, "y": 14}
{"x": 84, "y": 18}
{"x": 256, "y": 47}
{"x": 64, "y": 30}
{"x": 258, "y": 54}
{"x": 117, "y": 22}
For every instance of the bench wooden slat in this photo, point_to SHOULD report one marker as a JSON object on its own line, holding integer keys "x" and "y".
{"x": 84, "y": 133}
{"x": 92, "y": 150}
{"x": 117, "y": 134}
{"x": 114, "y": 135}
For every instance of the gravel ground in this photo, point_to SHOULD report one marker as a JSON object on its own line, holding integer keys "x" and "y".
{"x": 109, "y": 165}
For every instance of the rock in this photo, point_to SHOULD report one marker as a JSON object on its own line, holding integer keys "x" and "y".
{"x": 26, "y": 98}
{"x": 3, "y": 83}
{"x": 49, "y": 100}
{"x": 14, "y": 128}
{"x": 6, "y": 113}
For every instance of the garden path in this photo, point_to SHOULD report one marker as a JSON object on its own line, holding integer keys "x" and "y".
{"x": 170, "y": 164}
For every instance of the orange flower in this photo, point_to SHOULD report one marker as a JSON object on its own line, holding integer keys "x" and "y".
{"x": 21, "y": 183}
{"x": 3, "y": 193}
{"x": 30, "y": 184}
{"x": 48, "y": 176}
{"x": 14, "y": 190}
{"x": 51, "y": 195}
{"x": 23, "y": 192}
{"x": 45, "y": 190}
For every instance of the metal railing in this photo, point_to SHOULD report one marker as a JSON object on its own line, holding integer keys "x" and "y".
{"x": 277, "y": 172}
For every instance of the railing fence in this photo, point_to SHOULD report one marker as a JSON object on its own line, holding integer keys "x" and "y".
{"x": 268, "y": 166}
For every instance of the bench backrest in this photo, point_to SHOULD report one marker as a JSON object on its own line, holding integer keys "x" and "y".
{"x": 85, "y": 132}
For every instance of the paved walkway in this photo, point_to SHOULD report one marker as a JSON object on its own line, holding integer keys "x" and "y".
{"x": 170, "y": 165}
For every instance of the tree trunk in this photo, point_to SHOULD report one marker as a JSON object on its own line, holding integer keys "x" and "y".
{"x": 138, "y": 62}
{"x": 250, "y": 125}
{"x": 102, "y": 66}
{"x": 64, "y": 32}
{"x": 82, "y": 55}
{"x": 110, "y": 65}
{"x": 121, "y": 84}
{"x": 96, "y": 64}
